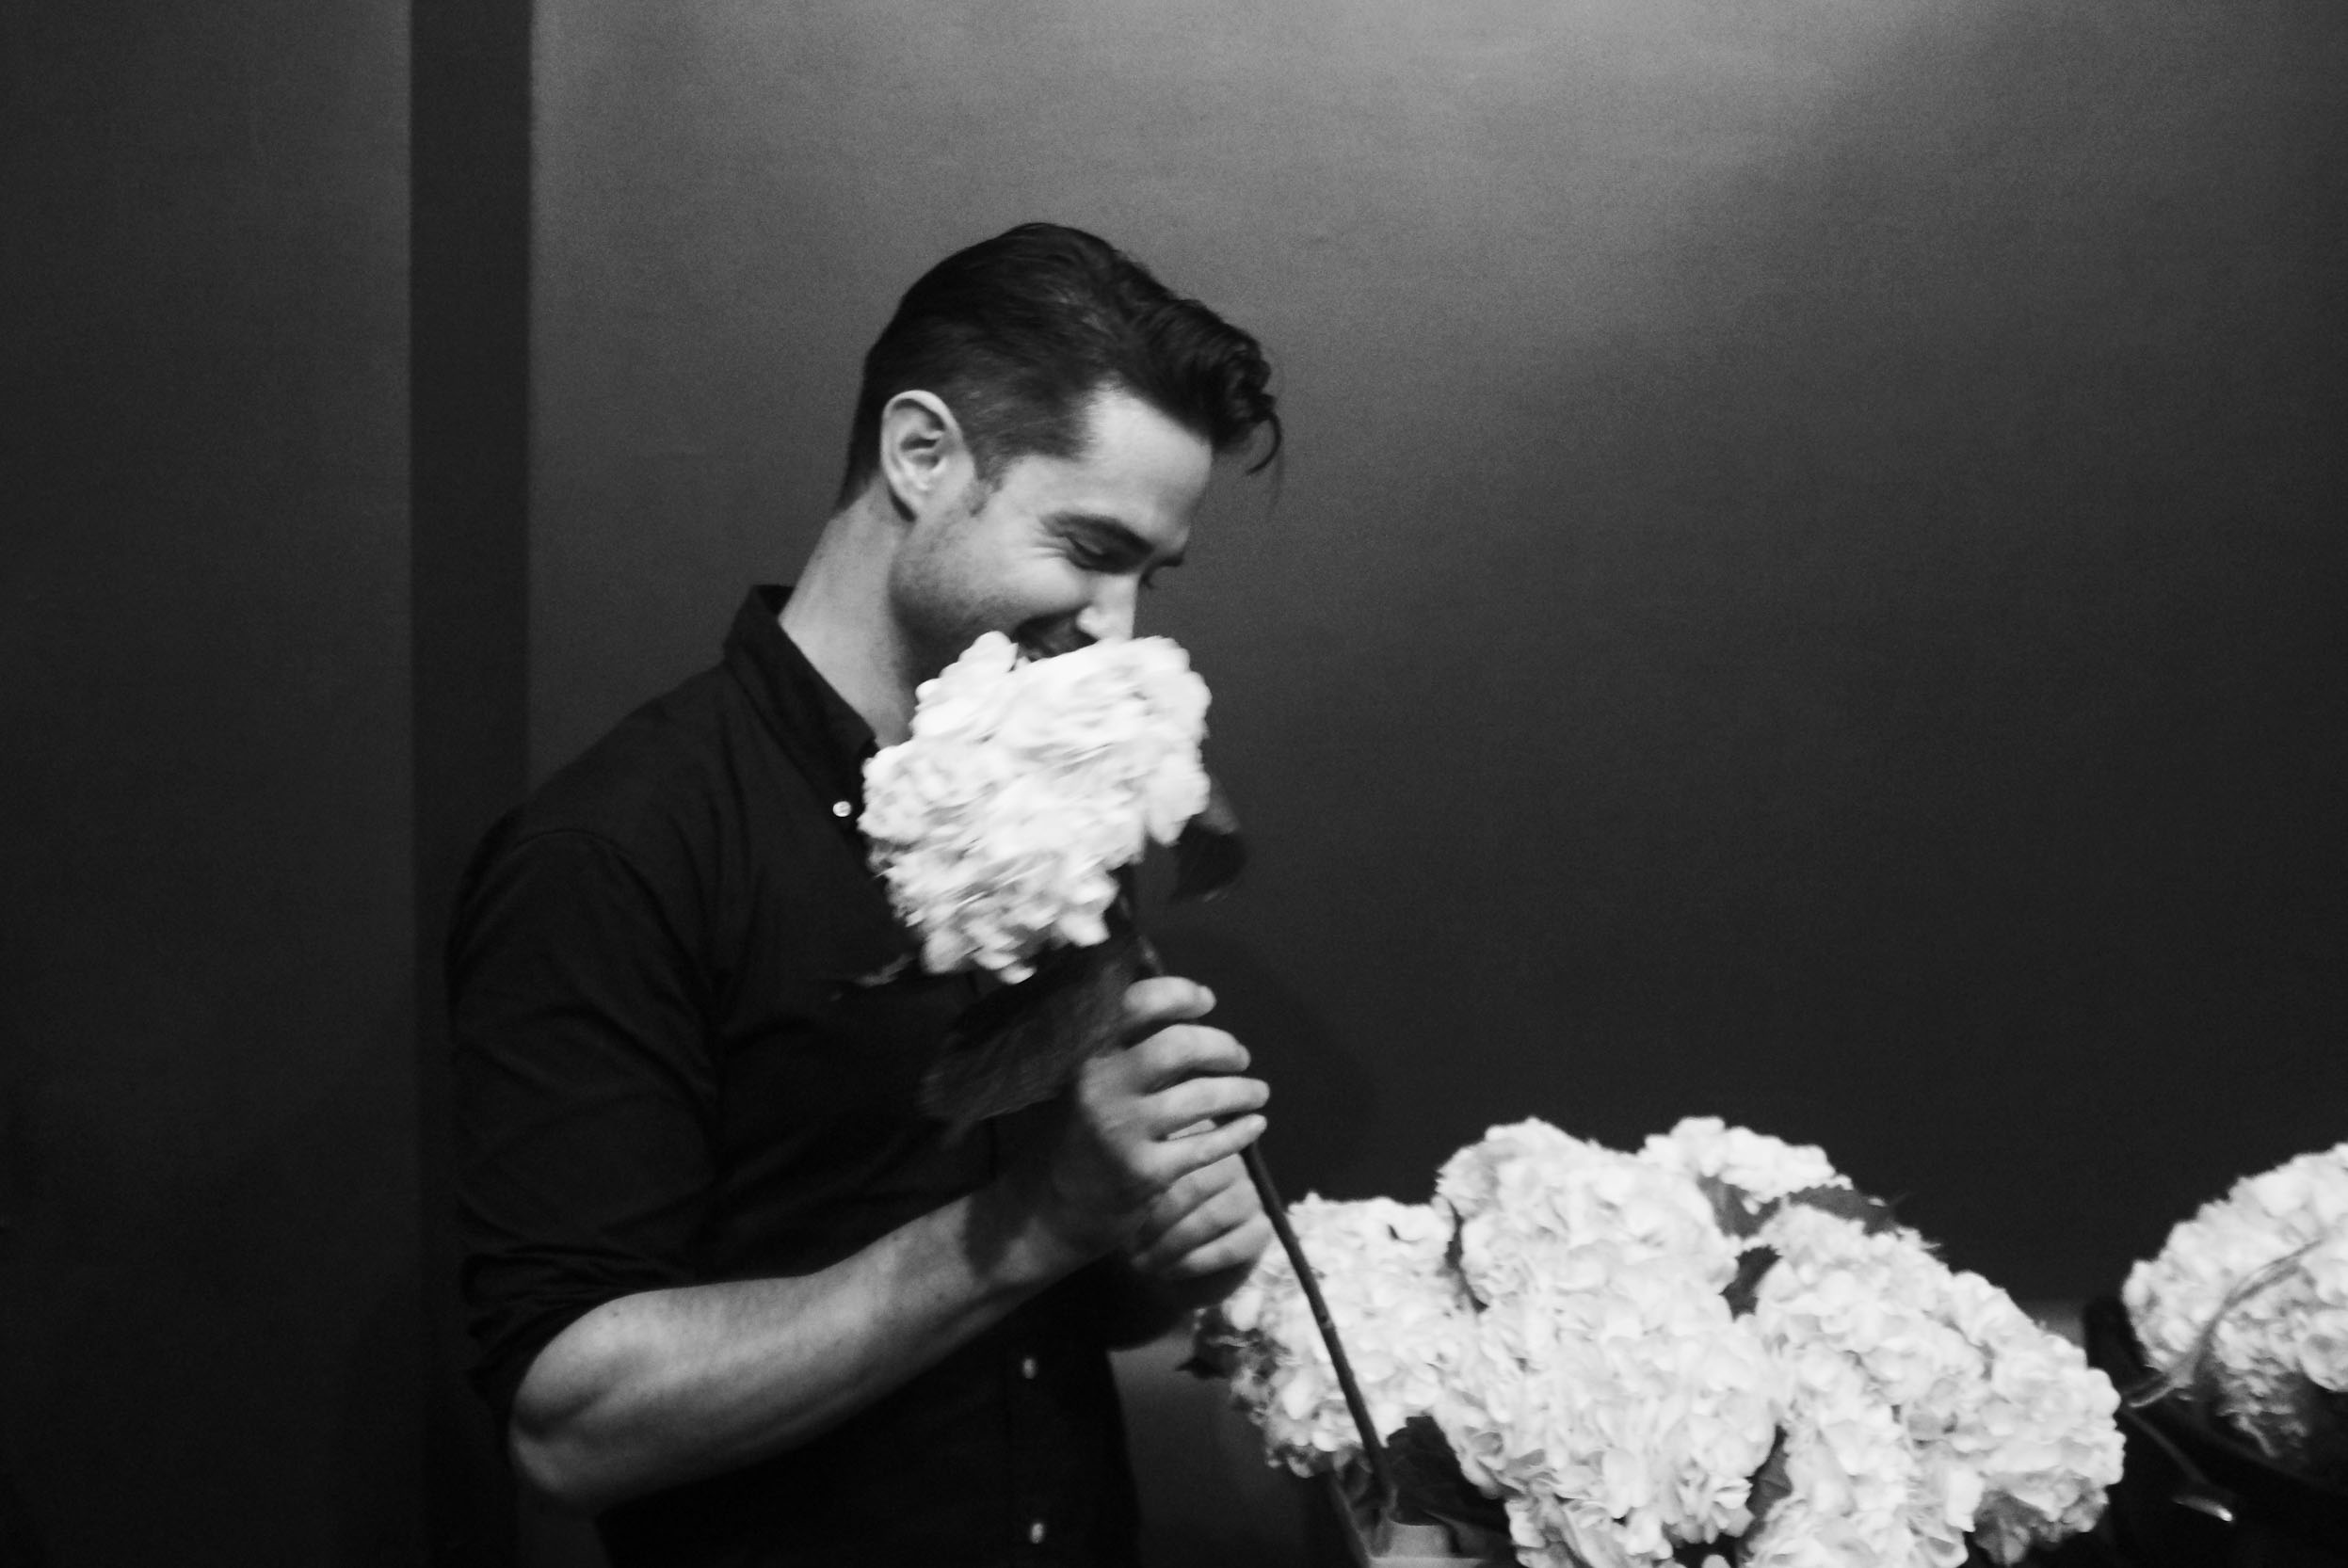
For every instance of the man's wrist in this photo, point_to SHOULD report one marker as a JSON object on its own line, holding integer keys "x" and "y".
{"x": 1012, "y": 1243}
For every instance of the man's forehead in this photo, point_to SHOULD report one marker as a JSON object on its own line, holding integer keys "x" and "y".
{"x": 1138, "y": 473}
{"x": 1111, "y": 415}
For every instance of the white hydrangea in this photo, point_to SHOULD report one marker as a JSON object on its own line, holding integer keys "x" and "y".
{"x": 1765, "y": 1169}
{"x": 1023, "y": 785}
{"x": 2010, "y": 1434}
{"x": 1398, "y": 1310}
{"x": 2276, "y": 1345}
{"x": 1469, "y": 1182}
{"x": 1617, "y": 1414}
{"x": 1561, "y": 1309}
{"x": 1849, "y": 1472}
{"x": 1538, "y": 1209}
{"x": 2041, "y": 1435}
{"x": 1610, "y": 1395}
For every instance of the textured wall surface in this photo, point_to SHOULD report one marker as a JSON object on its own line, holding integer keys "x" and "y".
{"x": 1807, "y": 583}
{"x": 209, "y": 1332}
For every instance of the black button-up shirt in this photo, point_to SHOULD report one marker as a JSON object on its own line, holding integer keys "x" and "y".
{"x": 689, "y": 1033}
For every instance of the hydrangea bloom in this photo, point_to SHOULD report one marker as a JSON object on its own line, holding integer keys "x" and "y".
{"x": 1848, "y": 1472}
{"x": 2009, "y": 1432}
{"x": 1609, "y": 1394}
{"x": 1579, "y": 1353}
{"x": 2041, "y": 1435}
{"x": 2278, "y": 1348}
{"x": 1401, "y": 1316}
{"x": 1538, "y": 1208}
{"x": 1023, "y": 785}
{"x": 1618, "y": 1416}
{"x": 1762, "y": 1168}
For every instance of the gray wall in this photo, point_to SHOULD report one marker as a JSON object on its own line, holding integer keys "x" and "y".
{"x": 210, "y": 1334}
{"x": 1808, "y": 585}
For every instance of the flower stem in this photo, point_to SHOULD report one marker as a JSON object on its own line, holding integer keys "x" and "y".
{"x": 1373, "y": 1450}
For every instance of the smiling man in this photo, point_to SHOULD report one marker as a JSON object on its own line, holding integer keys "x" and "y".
{"x": 734, "y": 1293}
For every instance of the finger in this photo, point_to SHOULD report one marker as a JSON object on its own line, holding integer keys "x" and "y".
{"x": 1173, "y": 1111}
{"x": 1128, "y": 1080}
{"x": 1224, "y": 1183}
{"x": 1176, "y": 1158}
{"x": 1234, "y": 1250}
{"x": 1183, "y": 1051}
{"x": 1158, "y": 1254}
{"x": 1172, "y": 1231}
{"x": 1152, "y": 1004}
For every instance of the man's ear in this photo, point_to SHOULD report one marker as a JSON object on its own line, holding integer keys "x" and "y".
{"x": 924, "y": 459}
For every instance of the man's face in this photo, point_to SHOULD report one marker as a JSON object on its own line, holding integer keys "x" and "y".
{"x": 1056, "y": 554}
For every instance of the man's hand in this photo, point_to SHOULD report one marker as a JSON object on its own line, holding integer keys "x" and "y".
{"x": 1203, "y": 1235}
{"x": 1205, "y": 1232}
{"x": 1128, "y": 1159}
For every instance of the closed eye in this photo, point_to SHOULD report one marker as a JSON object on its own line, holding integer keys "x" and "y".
{"x": 1105, "y": 545}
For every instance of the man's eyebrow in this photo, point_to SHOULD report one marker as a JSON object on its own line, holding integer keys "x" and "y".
{"x": 1124, "y": 540}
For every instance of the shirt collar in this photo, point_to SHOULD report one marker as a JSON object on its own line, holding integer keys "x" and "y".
{"x": 825, "y": 737}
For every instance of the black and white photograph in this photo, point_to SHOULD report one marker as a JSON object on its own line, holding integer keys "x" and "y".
{"x": 1096, "y": 784}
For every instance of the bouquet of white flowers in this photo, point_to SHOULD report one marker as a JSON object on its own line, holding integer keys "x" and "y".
{"x": 2244, "y": 1314}
{"x": 1713, "y": 1346}
{"x": 1000, "y": 823}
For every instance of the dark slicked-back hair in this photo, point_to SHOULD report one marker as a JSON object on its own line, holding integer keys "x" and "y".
{"x": 1017, "y": 333}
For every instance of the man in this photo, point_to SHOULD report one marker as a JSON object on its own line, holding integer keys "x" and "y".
{"x": 733, "y": 1292}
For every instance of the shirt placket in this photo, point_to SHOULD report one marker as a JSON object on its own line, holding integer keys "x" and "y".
{"x": 1031, "y": 1488}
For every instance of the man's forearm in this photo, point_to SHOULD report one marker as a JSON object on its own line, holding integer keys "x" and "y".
{"x": 665, "y": 1386}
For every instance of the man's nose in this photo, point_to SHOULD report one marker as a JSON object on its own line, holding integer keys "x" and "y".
{"x": 1109, "y": 619}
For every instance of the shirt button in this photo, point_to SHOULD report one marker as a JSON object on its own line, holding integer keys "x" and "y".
{"x": 1035, "y": 1533}
{"x": 841, "y": 807}
{"x": 1027, "y": 1368}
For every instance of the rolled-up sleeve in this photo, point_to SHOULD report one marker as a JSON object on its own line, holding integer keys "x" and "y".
{"x": 585, "y": 1092}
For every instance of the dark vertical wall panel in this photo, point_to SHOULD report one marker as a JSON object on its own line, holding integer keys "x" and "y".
{"x": 208, "y": 1282}
{"x": 1808, "y": 585}
{"x": 469, "y": 335}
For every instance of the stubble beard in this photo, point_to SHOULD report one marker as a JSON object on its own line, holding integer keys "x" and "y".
{"x": 938, "y": 612}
